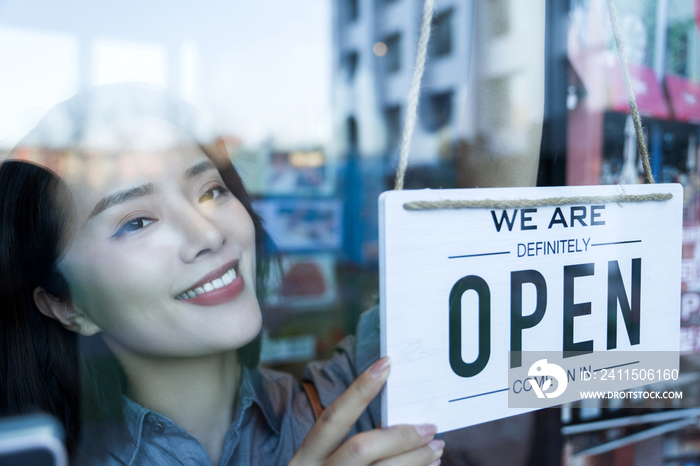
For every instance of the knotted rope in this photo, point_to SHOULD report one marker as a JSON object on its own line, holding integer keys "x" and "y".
{"x": 414, "y": 92}
{"x": 630, "y": 93}
{"x": 410, "y": 123}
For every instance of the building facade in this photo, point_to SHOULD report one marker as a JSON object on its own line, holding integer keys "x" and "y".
{"x": 374, "y": 48}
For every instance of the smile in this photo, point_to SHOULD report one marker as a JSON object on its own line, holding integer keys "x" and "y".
{"x": 226, "y": 279}
{"x": 219, "y": 286}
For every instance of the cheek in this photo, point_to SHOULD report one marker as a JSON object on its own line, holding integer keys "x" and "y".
{"x": 240, "y": 227}
{"x": 247, "y": 227}
{"x": 111, "y": 286}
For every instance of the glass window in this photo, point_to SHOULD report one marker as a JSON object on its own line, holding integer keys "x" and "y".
{"x": 350, "y": 64}
{"x": 441, "y": 34}
{"x": 437, "y": 111}
{"x": 393, "y": 53}
{"x": 352, "y": 10}
{"x": 393, "y": 125}
{"x": 351, "y": 128}
{"x": 307, "y": 98}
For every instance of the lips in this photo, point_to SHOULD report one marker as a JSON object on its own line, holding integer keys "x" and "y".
{"x": 217, "y": 287}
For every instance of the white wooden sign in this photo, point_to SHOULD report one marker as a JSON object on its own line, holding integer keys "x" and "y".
{"x": 462, "y": 288}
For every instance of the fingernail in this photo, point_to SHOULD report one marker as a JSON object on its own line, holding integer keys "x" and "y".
{"x": 436, "y": 462}
{"x": 379, "y": 367}
{"x": 426, "y": 430}
{"x": 436, "y": 445}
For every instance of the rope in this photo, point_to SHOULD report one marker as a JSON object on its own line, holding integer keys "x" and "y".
{"x": 630, "y": 94}
{"x": 549, "y": 201}
{"x": 411, "y": 112}
{"x": 414, "y": 92}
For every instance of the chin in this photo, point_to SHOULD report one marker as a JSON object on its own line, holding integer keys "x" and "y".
{"x": 243, "y": 328}
{"x": 254, "y": 327}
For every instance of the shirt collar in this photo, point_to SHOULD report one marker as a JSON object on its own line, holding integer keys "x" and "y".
{"x": 257, "y": 388}
{"x": 120, "y": 439}
{"x": 253, "y": 389}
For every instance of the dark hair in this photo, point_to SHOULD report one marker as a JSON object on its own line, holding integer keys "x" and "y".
{"x": 43, "y": 366}
{"x": 39, "y": 358}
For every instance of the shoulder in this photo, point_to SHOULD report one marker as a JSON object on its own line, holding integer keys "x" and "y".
{"x": 280, "y": 387}
{"x": 104, "y": 445}
{"x": 285, "y": 403}
{"x": 352, "y": 357}
{"x": 367, "y": 346}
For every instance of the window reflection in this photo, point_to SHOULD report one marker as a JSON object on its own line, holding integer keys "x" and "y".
{"x": 310, "y": 99}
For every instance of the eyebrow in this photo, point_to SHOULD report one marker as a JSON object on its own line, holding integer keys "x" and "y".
{"x": 144, "y": 190}
{"x": 121, "y": 197}
{"x": 199, "y": 168}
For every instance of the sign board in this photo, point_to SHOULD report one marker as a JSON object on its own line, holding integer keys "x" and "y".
{"x": 684, "y": 96}
{"x": 460, "y": 289}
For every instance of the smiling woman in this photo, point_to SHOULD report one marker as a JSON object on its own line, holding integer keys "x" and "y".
{"x": 130, "y": 268}
{"x": 144, "y": 214}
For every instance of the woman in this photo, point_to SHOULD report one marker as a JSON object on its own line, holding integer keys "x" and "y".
{"x": 132, "y": 273}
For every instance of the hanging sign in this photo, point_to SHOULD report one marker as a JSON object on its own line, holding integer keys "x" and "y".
{"x": 525, "y": 286}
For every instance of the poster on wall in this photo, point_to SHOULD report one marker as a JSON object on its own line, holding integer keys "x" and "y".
{"x": 304, "y": 282}
{"x": 300, "y": 172}
{"x": 302, "y": 224}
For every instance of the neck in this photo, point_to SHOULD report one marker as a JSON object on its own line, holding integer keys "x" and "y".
{"x": 197, "y": 393}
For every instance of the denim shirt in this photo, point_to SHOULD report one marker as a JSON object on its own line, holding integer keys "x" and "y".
{"x": 270, "y": 420}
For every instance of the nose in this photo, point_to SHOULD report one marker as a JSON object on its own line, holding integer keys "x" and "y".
{"x": 201, "y": 236}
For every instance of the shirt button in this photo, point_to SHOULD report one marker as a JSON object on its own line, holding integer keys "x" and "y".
{"x": 158, "y": 427}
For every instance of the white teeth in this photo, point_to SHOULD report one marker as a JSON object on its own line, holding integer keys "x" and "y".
{"x": 215, "y": 284}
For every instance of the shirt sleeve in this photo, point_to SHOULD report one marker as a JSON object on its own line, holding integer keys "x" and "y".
{"x": 352, "y": 357}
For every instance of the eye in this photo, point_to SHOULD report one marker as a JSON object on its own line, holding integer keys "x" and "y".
{"x": 213, "y": 193}
{"x": 133, "y": 225}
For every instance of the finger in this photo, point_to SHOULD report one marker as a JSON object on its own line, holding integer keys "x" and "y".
{"x": 337, "y": 419}
{"x": 371, "y": 446}
{"x": 429, "y": 455}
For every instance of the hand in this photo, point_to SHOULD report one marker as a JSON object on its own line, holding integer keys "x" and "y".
{"x": 397, "y": 445}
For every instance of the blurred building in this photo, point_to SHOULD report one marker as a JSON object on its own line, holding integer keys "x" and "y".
{"x": 482, "y": 96}
{"x": 374, "y": 48}
{"x": 373, "y": 56}
{"x": 662, "y": 47}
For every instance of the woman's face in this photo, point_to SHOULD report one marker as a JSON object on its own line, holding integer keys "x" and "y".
{"x": 163, "y": 257}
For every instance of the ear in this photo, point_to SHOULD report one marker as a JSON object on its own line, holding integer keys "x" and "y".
{"x": 64, "y": 312}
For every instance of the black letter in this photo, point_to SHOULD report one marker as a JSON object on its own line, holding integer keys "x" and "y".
{"x": 572, "y": 310}
{"x": 461, "y": 368}
{"x": 557, "y": 213}
{"x": 518, "y": 321}
{"x": 595, "y": 215}
{"x": 524, "y": 219}
{"x": 580, "y": 217}
{"x": 504, "y": 215}
{"x": 616, "y": 292}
